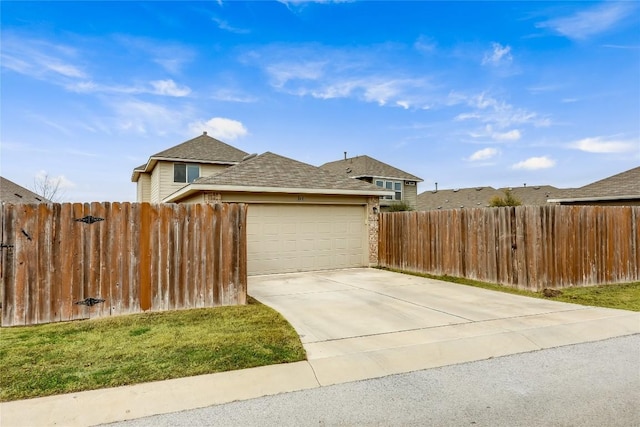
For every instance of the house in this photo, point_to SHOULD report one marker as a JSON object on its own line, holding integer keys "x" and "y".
{"x": 404, "y": 185}
{"x": 622, "y": 189}
{"x": 300, "y": 217}
{"x": 480, "y": 197}
{"x": 10, "y": 192}
{"x": 171, "y": 169}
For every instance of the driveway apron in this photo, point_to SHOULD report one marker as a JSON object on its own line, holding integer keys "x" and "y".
{"x": 365, "y": 323}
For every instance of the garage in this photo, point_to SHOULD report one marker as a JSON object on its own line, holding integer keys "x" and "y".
{"x": 294, "y": 237}
{"x": 299, "y": 217}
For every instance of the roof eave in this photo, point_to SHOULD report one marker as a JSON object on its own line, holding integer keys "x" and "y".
{"x": 594, "y": 199}
{"x": 195, "y": 188}
{"x": 388, "y": 177}
{"x": 153, "y": 160}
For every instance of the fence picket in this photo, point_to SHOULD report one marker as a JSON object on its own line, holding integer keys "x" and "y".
{"x": 139, "y": 257}
{"x": 528, "y": 247}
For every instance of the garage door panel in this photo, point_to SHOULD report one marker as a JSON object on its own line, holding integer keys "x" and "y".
{"x": 286, "y": 238}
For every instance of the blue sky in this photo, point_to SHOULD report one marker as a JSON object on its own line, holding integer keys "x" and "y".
{"x": 459, "y": 93}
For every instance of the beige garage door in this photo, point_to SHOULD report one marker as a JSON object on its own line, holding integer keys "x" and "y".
{"x": 288, "y": 238}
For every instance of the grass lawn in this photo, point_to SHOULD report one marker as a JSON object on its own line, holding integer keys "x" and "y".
{"x": 90, "y": 354}
{"x": 625, "y": 296}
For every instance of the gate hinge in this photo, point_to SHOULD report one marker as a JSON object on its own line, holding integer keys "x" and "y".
{"x": 89, "y": 301}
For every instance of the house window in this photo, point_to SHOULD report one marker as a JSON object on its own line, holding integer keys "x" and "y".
{"x": 185, "y": 173}
{"x": 395, "y": 186}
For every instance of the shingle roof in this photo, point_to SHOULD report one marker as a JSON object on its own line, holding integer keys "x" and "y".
{"x": 275, "y": 171}
{"x": 365, "y": 166}
{"x": 623, "y": 184}
{"x": 203, "y": 149}
{"x": 478, "y": 197}
{"x": 14, "y": 193}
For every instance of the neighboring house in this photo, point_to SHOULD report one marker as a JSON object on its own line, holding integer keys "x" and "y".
{"x": 10, "y": 192}
{"x": 300, "y": 217}
{"x": 404, "y": 185}
{"x": 622, "y": 189}
{"x": 480, "y": 197}
{"x": 171, "y": 169}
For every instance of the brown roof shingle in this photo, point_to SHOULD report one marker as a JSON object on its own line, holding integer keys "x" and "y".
{"x": 365, "y": 166}
{"x": 275, "y": 171}
{"x": 626, "y": 183}
{"x": 13, "y": 193}
{"x": 201, "y": 149}
{"x": 479, "y": 197}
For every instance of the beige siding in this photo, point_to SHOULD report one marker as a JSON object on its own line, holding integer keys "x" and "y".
{"x": 410, "y": 195}
{"x": 164, "y": 172}
{"x": 155, "y": 186}
{"x": 144, "y": 188}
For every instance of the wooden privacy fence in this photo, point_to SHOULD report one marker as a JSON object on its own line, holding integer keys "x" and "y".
{"x": 528, "y": 247}
{"x": 76, "y": 261}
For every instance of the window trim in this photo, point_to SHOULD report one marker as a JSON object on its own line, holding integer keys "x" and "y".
{"x": 187, "y": 166}
{"x": 390, "y": 184}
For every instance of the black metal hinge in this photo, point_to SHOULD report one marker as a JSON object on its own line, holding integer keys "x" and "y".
{"x": 89, "y": 219}
{"x": 89, "y": 301}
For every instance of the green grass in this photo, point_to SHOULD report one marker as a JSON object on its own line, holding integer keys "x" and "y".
{"x": 85, "y": 355}
{"x": 625, "y": 296}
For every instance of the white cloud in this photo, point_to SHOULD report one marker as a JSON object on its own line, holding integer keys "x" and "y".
{"x": 60, "y": 181}
{"x": 534, "y": 163}
{"x": 425, "y": 44}
{"x": 40, "y": 59}
{"x": 591, "y": 21}
{"x": 170, "y": 88}
{"x": 148, "y": 118}
{"x": 170, "y": 56}
{"x": 219, "y": 127}
{"x": 512, "y": 135}
{"x": 224, "y": 25}
{"x": 232, "y": 96}
{"x": 327, "y": 73}
{"x": 498, "y": 55}
{"x": 156, "y": 87}
{"x": 484, "y": 154}
{"x": 601, "y": 145}
{"x": 498, "y": 114}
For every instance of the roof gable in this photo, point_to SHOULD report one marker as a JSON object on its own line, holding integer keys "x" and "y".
{"x": 13, "y": 193}
{"x": 365, "y": 166}
{"x": 201, "y": 149}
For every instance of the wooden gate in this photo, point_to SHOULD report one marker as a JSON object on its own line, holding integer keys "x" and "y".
{"x": 75, "y": 261}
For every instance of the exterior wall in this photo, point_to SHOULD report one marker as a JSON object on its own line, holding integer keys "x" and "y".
{"x": 410, "y": 194}
{"x": 155, "y": 186}
{"x": 371, "y": 216}
{"x": 162, "y": 178}
{"x": 373, "y": 213}
{"x": 144, "y": 188}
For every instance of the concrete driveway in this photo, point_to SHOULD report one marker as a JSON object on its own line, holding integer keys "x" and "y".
{"x": 366, "y": 323}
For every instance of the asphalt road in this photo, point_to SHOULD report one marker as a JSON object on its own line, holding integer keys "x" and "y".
{"x": 593, "y": 384}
